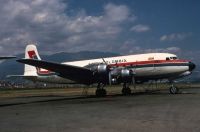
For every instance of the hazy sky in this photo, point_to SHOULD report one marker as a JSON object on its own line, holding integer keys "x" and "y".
{"x": 124, "y": 26}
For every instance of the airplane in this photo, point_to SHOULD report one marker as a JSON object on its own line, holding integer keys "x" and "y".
{"x": 129, "y": 69}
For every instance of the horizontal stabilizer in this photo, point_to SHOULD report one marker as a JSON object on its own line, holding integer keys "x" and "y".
{"x": 11, "y": 76}
{"x": 78, "y": 74}
{"x": 22, "y": 76}
{"x": 7, "y": 57}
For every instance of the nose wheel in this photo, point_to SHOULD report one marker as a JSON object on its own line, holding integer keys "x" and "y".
{"x": 173, "y": 89}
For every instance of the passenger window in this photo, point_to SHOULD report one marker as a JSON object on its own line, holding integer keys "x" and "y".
{"x": 167, "y": 58}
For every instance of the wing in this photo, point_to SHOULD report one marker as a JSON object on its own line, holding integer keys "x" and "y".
{"x": 78, "y": 74}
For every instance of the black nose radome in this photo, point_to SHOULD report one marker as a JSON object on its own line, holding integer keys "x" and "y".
{"x": 191, "y": 66}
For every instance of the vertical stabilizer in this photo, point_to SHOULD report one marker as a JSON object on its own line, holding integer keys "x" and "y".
{"x": 31, "y": 53}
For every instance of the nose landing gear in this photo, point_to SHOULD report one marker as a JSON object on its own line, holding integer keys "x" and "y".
{"x": 173, "y": 89}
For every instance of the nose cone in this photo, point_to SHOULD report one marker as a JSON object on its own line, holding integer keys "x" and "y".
{"x": 191, "y": 66}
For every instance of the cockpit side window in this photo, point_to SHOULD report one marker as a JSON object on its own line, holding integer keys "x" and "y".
{"x": 171, "y": 58}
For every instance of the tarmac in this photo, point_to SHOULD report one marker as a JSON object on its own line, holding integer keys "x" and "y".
{"x": 141, "y": 112}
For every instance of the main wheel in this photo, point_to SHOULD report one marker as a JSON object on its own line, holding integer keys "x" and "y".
{"x": 173, "y": 90}
{"x": 98, "y": 93}
{"x": 126, "y": 91}
{"x": 101, "y": 92}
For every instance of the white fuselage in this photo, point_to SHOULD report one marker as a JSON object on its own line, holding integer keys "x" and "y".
{"x": 145, "y": 66}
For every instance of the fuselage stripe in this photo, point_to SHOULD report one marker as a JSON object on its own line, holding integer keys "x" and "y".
{"x": 154, "y": 62}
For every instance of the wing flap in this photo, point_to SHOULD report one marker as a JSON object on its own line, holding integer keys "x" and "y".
{"x": 78, "y": 74}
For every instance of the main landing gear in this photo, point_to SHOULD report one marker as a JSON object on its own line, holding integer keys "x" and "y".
{"x": 126, "y": 89}
{"x": 173, "y": 89}
{"x": 100, "y": 92}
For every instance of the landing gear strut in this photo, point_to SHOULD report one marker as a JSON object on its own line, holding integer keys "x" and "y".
{"x": 126, "y": 90}
{"x": 100, "y": 92}
{"x": 173, "y": 89}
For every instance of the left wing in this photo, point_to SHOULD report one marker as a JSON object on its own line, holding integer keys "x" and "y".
{"x": 78, "y": 74}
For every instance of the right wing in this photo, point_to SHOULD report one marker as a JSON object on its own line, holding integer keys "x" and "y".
{"x": 78, "y": 74}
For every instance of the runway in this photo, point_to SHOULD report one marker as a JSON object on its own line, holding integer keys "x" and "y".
{"x": 143, "y": 112}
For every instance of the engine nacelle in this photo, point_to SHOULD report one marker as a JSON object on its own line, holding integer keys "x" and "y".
{"x": 121, "y": 76}
{"x": 102, "y": 69}
{"x": 100, "y": 72}
{"x": 125, "y": 73}
{"x": 98, "y": 68}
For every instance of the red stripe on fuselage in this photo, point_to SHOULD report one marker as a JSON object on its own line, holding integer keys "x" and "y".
{"x": 149, "y": 62}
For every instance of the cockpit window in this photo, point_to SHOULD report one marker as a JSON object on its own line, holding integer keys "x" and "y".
{"x": 171, "y": 58}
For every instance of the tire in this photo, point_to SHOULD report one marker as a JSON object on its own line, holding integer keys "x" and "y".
{"x": 101, "y": 92}
{"x": 126, "y": 91}
{"x": 98, "y": 93}
{"x": 104, "y": 92}
{"x": 173, "y": 90}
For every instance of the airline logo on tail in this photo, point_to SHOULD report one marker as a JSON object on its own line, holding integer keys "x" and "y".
{"x": 32, "y": 55}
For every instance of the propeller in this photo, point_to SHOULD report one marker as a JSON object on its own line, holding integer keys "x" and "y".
{"x": 109, "y": 73}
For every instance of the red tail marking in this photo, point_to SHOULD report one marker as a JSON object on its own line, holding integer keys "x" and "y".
{"x": 31, "y": 54}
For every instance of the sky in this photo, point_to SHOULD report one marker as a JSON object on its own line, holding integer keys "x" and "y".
{"x": 120, "y": 26}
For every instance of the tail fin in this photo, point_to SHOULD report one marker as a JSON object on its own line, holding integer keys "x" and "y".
{"x": 31, "y": 72}
{"x": 31, "y": 53}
